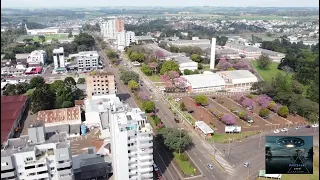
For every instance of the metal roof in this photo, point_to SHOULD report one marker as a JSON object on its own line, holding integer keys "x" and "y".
{"x": 204, "y": 127}
{"x": 60, "y": 115}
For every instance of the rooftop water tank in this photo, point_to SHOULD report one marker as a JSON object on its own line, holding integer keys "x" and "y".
{"x": 84, "y": 129}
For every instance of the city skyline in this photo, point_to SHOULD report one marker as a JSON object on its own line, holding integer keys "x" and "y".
{"x": 164, "y": 3}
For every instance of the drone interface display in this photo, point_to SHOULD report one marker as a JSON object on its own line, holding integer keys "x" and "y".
{"x": 289, "y": 154}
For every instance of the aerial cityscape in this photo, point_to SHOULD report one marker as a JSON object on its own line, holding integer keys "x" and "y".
{"x": 166, "y": 90}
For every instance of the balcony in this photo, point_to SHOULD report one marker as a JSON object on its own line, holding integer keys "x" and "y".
{"x": 147, "y": 176}
{"x": 64, "y": 172}
{"x": 132, "y": 147}
{"x": 8, "y": 174}
{"x": 132, "y": 160}
{"x": 133, "y": 166}
{"x": 144, "y": 164}
{"x": 132, "y": 154}
{"x": 145, "y": 138}
{"x": 64, "y": 164}
{"x": 146, "y": 170}
{"x": 134, "y": 177}
{"x": 146, "y": 144}
{"x": 145, "y": 157}
{"x": 134, "y": 172}
{"x": 145, "y": 151}
{"x": 132, "y": 140}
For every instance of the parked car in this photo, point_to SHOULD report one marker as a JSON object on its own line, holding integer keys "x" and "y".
{"x": 276, "y": 131}
{"x": 191, "y": 111}
{"x": 246, "y": 164}
{"x": 315, "y": 125}
{"x": 297, "y": 128}
{"x": 176, "y": 120}
{"x": 210, "y": 166}
{"x": 265, "y": 117}
{"x": 308, "y": 126}
{"x": 284, "y": 130}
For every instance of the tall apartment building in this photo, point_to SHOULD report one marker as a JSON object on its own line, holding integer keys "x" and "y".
{"x": 37, "y": 57}
{"x": 87, "y": 60}
{"x": 37, "y": 156}
{"x": 130, "y": 38}
{"x": 100, "y": 83}
{"x": 131, "y": 144}
{"x": 112, "y": 27}
{"x": 124, "y": 39}
{"x": 58, "y": 58}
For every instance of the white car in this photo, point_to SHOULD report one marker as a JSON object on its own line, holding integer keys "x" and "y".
{"x": 210, "y": 166}
{"x": 315, "y": 125}
{"x": 297, "y": 128}
{"x": 246, "y": 164}
{"x": 284, "y": 130}
{"x": 276, "y": 131}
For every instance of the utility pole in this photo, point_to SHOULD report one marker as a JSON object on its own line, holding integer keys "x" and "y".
{"x": 180, "y": 141}
{"x": 260, "y": 140}
{"x": 229, "y": 147}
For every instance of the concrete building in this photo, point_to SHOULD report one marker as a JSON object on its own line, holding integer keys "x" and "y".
{"x": 213, "y": 53}
{"x": 58, "y": 58}
{"x": 97, "y": 113}
{"x": 62, "y": 120}
{"x": 130, "y": 38}
{"x": 194, "y": 42}
{"x": 10, "y": 71}
{"x": 184, "y": 62}
{"x": 50, "y": 30}
{"x": 238, "y": 80}
{"x": 111, "y": 28}
{"x": 100, "y": 83}
{"x": 37, "y": 156}
{"x": 87, "y": 60}
{"x": 13, "y": 109}
{"x": 204, "y": 82}
{"x": 124, "y": 39}
{"x": 37, "y": 57}
{"x": 131, "y": 143}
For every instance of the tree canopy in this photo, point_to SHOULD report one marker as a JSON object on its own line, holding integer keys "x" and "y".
{"x": 148, "y": 106}
{"x": 175, "y": 140}
{"x": 201, "y": 99}
{"x": 126, "y": 76}
{"x": 169, "y": 66}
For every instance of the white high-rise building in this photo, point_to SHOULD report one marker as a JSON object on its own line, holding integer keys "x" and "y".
{"x": 33, "y": 156}
{"x": 124, "y": 39}
{"x": 131, "y": 143}
{"x": 130, "y": 38}
{"x": 58, "y": 58}
{"x": 213, "y": 53}
{"x": 111, "y": 28}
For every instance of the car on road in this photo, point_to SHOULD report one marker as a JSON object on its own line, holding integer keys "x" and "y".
{"x": 315, "y": 125}
{"x": 246, "y": 164}
{"x": 297, "y": 128}
{"x": 308, "y": 126}
{"x": 176, "y": 120}
{"x": 155, "y": 167}
{"x": 284, "y": 130}
{"x": 276, "y": 131}
{"x": 210, "y": 166}
{"x": 157, "y": 171}
{"x": 191, "y": 111}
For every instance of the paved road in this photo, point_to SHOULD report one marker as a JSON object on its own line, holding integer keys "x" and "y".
{"x": 160, "y": 157}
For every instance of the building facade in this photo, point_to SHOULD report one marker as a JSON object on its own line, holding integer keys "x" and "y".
{"x": 112, "y": 27}
{"x": 100, "y": 83}
{"x": 34, "y": 156}
{"x": 87, "y": 60}
{"x": 132, "y": 144}
{"x": 38, "y": 57}
{"x": 58, "y": 58}
{"x": 124, "y": 39}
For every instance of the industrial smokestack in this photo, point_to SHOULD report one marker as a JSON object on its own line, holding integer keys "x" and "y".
{"x": 213, "y": 53}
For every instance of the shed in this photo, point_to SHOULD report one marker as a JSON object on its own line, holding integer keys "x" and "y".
{"x": 204, "y": 128}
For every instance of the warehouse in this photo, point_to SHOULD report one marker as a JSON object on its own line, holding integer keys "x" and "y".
{"x": 185, "y": 63}
{"x": 204, "y": 82}
{"x": 238, "y": 80}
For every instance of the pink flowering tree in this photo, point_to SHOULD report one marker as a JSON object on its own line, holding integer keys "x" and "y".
{"x": 173, "y": 74}
{"x": 143, "y": 96}
{"x": 224, "y": 66}
{"x": 180, "y": 83}
{"x": 241, "y": 65}
{"x": 228, "y": 119}
{"x": 264, "y": 100}
{"x": 159, "y": 54}
{"x": 247, "y": 103}
{"x": 153, "y": 66}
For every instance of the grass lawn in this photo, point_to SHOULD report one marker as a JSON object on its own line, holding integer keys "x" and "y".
{"x": 186, "y": 114}
{"x": 154, "y": 78}
{"x": 268, "y": 74}
{"x": 185, "y": 166}
{"x": 314, "y": 176}
{"x": 224, "y": 138}
{"x": 48, "y": 37}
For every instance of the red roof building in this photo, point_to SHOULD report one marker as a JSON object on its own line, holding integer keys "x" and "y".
{"x": 12, "y": 109}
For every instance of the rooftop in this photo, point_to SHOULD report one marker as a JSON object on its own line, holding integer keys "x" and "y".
{"x": 11, "y": 107}
{"x": 102, "y": 103}
{"x": 100, "y": 73}
{"x": 60, "y": 50}
{"x": 60, "y": 115}
{"x": 204, "y": 127}
{"x": 238, "y": 74}
{"x": 22, "y": 56}
{"x": 88, "y": 53}
{"x": 204, "y": 80}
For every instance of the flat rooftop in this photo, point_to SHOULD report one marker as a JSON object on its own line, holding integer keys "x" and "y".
{"x": 204, "y": 80}
{"x": 60, "y": 115}
{"x": 88, "y": 53}
{"x": 60, "y": 50}
{"x": 238, "y": 74}
{"x": 11, "y": 107}
{"x": 101, "y": 103}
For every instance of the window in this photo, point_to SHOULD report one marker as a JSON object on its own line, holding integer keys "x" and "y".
{"x": 129, "y": 151}
{"x": 4, "y": 164}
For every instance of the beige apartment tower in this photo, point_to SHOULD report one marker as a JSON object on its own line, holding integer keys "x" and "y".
{"x": 100, "y": 83}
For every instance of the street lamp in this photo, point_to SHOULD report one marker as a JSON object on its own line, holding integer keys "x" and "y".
{"x": 260, "y": 139}
{"x": 229, "y": 147}
{"x": 180, "y": 141}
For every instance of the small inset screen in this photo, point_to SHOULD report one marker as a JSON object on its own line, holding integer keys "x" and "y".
{"x": 289, "y": 154}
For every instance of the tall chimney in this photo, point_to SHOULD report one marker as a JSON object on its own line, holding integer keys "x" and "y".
{"x": 213, "y": 53}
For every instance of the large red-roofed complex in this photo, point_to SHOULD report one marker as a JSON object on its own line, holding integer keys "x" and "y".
{"x": 12, "y": 110}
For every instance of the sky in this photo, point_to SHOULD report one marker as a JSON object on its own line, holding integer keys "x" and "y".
{"x": 105, "y": 3}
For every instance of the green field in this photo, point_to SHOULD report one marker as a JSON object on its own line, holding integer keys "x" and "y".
{"x": 48, "y": 37}
{"x": 268, "y": 74}
{"x": 185, "y": 166}
{"x": 154, "y": 78}
{"x": 224, "y": 138}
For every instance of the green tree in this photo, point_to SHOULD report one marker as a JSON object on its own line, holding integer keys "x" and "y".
{"x": 146, "y": 70}
{"x": 201, "y": 99}
{"x": 195, "y": 58}
{"x": 81, "y": 81}
{"x": 264, "y": 62}
{"x": 70, "y": 34}
{"x": 126, "y": 76}
{"x": 69, "y": 81}
{"x": 169, "y": 66}
{"x": 200, "y": 66}
{"x": 196, "y": 72}
{"x": 36, "y": 82}
{"x": 22, "y": 88}
{"x": 283, "y": 111}
{"x": 264, "y": 112}
{"x": 111, "y": 54}
{"x": 297, "y": 87}
{"x": 62, "y": 95}
{"x": 133, "y": 85}
{"x": 11, "y": 56}
{"x": 174, "y": 139}
{"x": 84, "y": 39}
{"x": 57, "y": 84}
{"x": 183, "y": 106}
{"x": 42, "y": 38}
{"x": 67, "y": 104}
{"x": 187, "y": 72}
{"x": 42, "y": 98}
{"x": 148, "y": 106}
{"x": 10, "y": 90}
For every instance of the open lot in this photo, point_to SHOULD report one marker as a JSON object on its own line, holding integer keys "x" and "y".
{"x": 48, "y": 37}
